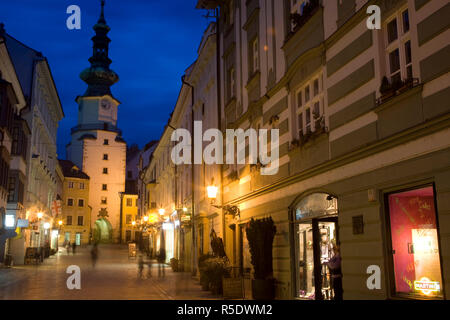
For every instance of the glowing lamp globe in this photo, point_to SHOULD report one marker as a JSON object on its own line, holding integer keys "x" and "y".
{"x": 212, "y": 192}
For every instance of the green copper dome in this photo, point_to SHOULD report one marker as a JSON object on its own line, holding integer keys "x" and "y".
{"x": 99, "y": 76}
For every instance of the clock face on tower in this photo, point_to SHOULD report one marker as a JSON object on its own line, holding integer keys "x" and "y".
{"x": 105, "y": 104}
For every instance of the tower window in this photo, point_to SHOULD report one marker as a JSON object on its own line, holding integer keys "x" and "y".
{"x": 104, "y": 200}
{"x": 70, "y": 202}
{"x": 81, "y": 202}
{"x": 105, "y": 157}
{"x": 104, "y": 187}
{"x": 105, "y": 170}
{"x": 106, "y": 142}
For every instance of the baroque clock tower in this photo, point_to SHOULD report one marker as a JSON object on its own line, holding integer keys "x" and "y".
{"x": 97, "y": 145}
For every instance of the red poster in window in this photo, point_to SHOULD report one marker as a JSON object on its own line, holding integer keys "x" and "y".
{"x": 415, "y": 242}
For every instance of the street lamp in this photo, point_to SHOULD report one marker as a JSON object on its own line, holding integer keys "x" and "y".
{"x": 145, "y": 218}
{"x": 133, "y": 223}
{"x": 60, "y": 223}
{"x": 40, "y": 215}
{"x": 212, "y": 195}
{"x": 162, "y": 211}
{"x": 212, "y": 192}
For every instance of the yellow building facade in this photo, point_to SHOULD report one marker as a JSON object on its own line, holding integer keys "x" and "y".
{"x": 76, "y": 213}
{"x": 129, "y": 215}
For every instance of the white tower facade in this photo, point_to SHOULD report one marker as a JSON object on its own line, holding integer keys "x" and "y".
{"x": 97, "y": 145}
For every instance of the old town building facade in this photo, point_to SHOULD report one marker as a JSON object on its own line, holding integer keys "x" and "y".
{"x": 363, "y": 122}
{"x": 29, "y": 175}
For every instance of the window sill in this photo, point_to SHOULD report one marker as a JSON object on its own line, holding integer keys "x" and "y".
{"x": 395, "y": 95}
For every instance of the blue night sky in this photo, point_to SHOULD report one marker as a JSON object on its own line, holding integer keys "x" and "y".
{"x": 153, "y": 42}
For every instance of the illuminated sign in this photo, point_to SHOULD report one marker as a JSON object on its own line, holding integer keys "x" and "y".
{"x": 22, "y": 223}
{"x": 10, "y": 221}
{"x": 426, "y": 286}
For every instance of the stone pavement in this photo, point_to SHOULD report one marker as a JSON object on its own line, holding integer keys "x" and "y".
{"x": 115, "y": 277}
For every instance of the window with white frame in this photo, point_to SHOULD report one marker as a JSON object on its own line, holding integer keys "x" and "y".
{"x": 398, "y": 47}
{"x": 310, "y": 105}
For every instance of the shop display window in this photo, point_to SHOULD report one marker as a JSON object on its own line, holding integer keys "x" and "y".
{"x": 415, "y": 245}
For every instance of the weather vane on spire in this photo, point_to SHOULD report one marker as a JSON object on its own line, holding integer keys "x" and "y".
{"x": 102, "y": 14}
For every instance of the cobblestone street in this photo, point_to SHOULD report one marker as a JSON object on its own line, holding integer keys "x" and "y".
{"x": 114, "y": 277}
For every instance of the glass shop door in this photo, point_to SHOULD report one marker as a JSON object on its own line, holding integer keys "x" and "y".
{"x": 314, "y": 246}
{"x": 305, "y": 264}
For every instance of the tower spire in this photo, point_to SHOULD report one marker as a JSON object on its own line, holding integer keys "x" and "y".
{"x": 102, "y": 14}
{"x": 99, "y": 76}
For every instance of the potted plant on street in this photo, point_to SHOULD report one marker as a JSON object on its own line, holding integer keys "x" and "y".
{"x": 174, "y": 263}
{"x": 204, "y": 271}
{"x": 260, "y": 235}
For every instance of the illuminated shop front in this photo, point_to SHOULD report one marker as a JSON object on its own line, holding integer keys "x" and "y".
{"x": 315, "y": 220}
{"x": 167, "y": 233}
{"x": 414, "y": 243}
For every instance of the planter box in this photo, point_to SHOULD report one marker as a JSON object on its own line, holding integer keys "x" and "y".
{"x": 233, "y": 288}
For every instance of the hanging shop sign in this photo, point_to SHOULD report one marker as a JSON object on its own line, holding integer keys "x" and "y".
{"x": 23, "y": 223}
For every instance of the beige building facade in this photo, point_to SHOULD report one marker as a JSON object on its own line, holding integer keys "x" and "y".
{"x": 354, "y": 154}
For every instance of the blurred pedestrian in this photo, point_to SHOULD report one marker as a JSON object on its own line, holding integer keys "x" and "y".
{"x": 94, "y": 255}
{"x": 161, "y": 261}
{"x": 149, "y": 265}
{"x": 140, "y": 265}
{"x": 74, "y": 248}
{"x": 68, "y": 247}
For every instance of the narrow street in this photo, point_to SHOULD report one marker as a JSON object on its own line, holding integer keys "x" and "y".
{"x": 114, "y": 277}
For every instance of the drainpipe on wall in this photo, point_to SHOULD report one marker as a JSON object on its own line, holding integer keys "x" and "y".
{"x": 121, "y": 213}
{"x": 194, "y": 255}
{"x": 219, "y": 113}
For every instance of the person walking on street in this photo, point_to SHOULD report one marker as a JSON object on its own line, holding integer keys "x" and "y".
{"x": 161, "y": 261}
{"x": 149, "y": 264}
{"x": 94, "y": 255}
{"x": 68, "y": 247}
{"x": 140, "y": 265}
{"x": 74, "y": 247}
